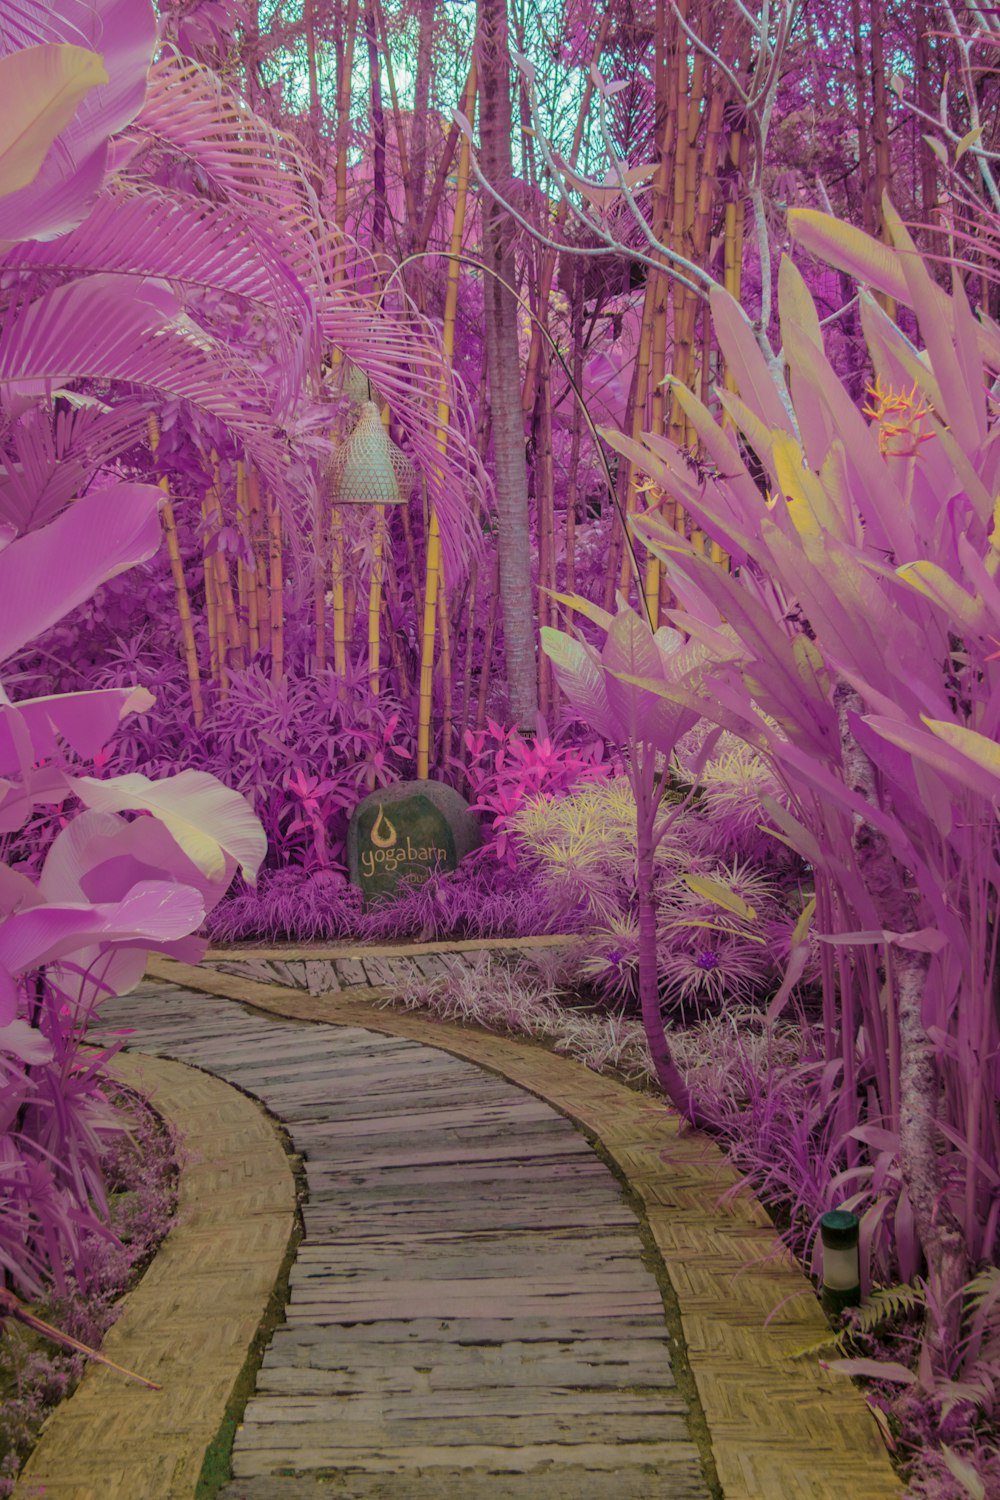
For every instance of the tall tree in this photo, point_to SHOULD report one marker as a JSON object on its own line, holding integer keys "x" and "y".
{"x": 503, "y": 365}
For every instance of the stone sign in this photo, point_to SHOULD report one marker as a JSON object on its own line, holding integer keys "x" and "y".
{"x": 400, "y": 834}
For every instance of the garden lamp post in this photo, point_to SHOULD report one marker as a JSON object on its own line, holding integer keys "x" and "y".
{"x": 841, "y": 1268}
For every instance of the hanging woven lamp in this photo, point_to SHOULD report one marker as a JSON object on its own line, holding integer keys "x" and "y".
{"x": 368, "y": 468}
{"x": 356, "y": 386}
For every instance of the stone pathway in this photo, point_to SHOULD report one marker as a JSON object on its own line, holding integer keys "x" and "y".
{"x": 470, "y": 1312}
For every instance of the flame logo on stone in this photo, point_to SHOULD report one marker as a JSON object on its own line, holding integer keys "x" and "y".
{"x": 386, "y": 839}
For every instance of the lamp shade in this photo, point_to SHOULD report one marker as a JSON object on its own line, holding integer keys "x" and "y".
{"x": 368, "y": 468}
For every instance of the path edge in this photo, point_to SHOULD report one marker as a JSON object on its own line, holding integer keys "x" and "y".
{"x": 190, "y": 1322}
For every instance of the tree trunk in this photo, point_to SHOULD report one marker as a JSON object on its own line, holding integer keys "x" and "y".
{"x": 504, "y": 366}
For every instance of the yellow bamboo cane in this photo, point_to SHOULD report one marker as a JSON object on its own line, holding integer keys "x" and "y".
{"x": 277, "y": 594}
{"x": 433, "y": 576}
{"x": 248, "y": 577}
{"x": 211, "y": 616}
{"x": 261, "y": 603}
{"x": 375, "y": 603}
{"x": 181, "y": 594}
{"x": 339, "y": 600}
{"x": 319, "y": 584}
{"x": 447, "y": 711}
{"x": 242, "y": 574}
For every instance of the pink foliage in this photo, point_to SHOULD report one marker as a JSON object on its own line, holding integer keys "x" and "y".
{"x": 505, "y": 770}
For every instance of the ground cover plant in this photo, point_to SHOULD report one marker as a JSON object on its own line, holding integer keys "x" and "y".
{"x": 594, "y": 408}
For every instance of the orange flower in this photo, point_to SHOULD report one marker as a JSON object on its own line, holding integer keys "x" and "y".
{"x": 899, "y": 438}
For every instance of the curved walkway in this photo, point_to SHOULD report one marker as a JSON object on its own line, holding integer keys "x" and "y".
{"x": 470, "y": 1314}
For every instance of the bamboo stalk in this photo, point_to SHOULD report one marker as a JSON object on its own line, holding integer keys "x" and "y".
{"x": 428, "y": 634}
{"x": 576, "y": 432}
{"x": 411, "y": 556}
{"x": 181, "y": 595}
{"x": 243, "y": 583}
{"x": 211, "y": 617}
{"x": 447, "y": 706}
{"x": 546, "y": 526}
{"x": 319, "y": 583}
{"x": 392, "y": 612}
{"x": 261, "y": 548}
{"x": 228, "y": 632}
{"x": 277, "y": 593}
{"x": 339, "y": 598}
{"x": 433, "y": 576}
{"x": 375, "y": 602}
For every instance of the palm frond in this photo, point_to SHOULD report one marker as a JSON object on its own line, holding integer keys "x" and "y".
{"x": 108, "y": 328}
{"x": 143, "y": 230}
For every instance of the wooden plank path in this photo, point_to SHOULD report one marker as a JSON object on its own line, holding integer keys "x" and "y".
{"x": 333, "y": 970}
{"x": 470, "y": 1314}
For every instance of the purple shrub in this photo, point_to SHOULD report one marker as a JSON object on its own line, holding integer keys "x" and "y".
{"x": 480, "y": 899}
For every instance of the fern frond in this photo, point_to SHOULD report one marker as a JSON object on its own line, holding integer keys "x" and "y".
{"x": 881, "y": 1307}
{"x": 885, "y": 1304}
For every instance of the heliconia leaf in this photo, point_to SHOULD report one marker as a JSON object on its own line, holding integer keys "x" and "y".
{"x": 581, "y": 606}
{"x": 980, "y": 772}
{"x": 720, "y": 447}
{"x": 755, "y": 430}
{"x": 720, "y": 895}
{"x": 48, "y": 573}
{"x": 207, "y": 819}
{"x": 870, "y": 261}
{"x": 796, "y": 305}
{"x": 631, "y": 657}
{"x": 754, "y": 380}
{"x": 41, "y": 88}
{"x": 976, "y": 747}
{"x": 86, "y": 721}
{"x": 839, "y": 244}
{"x": 795, "y": 835}
{"x": 955, "y": 403}
{"x": 926, "y": 940}
{"x": 965, "y": 612}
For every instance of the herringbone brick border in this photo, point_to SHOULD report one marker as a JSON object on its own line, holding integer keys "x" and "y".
{"x": 189, "y": 1323}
